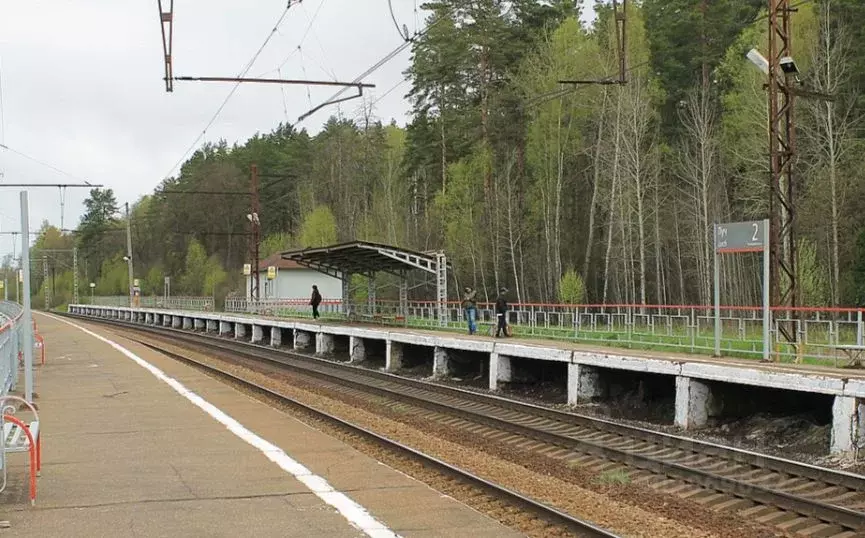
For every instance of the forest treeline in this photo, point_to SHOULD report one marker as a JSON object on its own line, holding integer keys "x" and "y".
{"x": 590, "y": 193}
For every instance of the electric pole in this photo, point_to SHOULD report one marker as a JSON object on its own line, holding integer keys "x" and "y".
{"x": 782, "y": 149}
{"x": 45, "y": 283}
{"x": 27, "y": 320}
{"x": 255, "y": 236}
{"x": 75, "y": 275}
{"x": 129, "y": 252}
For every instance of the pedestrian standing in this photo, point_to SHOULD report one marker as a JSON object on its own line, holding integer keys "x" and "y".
{"x": 470, "y": 307}
{"x": 502, "y": 313}
{"x": 314, "y": 301}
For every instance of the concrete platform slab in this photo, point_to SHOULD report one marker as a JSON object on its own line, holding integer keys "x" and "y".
{"x": 125, "y": 454}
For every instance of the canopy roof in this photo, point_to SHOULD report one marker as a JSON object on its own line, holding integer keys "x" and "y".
{"x": 360, "y": 257}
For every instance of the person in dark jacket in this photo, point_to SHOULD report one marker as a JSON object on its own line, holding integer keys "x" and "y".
{"x": 314, "y": 301}
{"x": 502, "y": 313}
{"x": 470, "y": 307}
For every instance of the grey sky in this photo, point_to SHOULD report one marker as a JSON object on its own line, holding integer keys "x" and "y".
{"x": 82, "y": 88}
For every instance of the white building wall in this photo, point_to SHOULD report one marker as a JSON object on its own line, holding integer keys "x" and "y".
{"x": 297, "y": 284}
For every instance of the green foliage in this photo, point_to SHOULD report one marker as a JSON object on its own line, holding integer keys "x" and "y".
{"x": 857, "y": 281}
{"x": 813, "y": 282}
{"x": 460, "y": 208}
{"x": 274, "y": 243}
{"x": 318, "y": 229}
{"x": 154, "y": 282}
{"x": 192, "y": 282}
{"x": 615, "y": 477}
{"x": 572, "y": 290}
{"x": 514, "y": 175}
{"x": 114, "y": 279}
{"x": 360, "y": 288}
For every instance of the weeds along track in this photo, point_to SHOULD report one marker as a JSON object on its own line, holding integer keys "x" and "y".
{"x": 798, "y": 498}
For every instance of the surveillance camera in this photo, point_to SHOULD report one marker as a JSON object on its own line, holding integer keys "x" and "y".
{"x": 788, "y": 66}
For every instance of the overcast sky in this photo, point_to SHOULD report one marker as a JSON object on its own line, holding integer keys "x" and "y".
{"x": 82, "y": 86}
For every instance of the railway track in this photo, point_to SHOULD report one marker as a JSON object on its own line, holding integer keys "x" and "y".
{"x": 799, "y": 498}
{"x": 504, "y": 496}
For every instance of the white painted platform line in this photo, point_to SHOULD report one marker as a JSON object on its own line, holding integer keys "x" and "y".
{"x": 357, "y": 515}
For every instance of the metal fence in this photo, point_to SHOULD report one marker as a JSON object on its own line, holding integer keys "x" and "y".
{"x": 206, "y": 304}
{"x": 293, "y": 308}
{"x": 11, "y": 340}
{"x": 685, "y": 328}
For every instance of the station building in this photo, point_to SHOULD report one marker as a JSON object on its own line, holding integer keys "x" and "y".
{"x": 292, "y": 281}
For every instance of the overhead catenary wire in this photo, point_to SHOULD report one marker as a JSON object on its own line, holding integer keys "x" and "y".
{"x": 242, "y": 74}
{"x": 302, "y": 39}
{"x": 399, "y": 30}
{"x": 45, "y": 164}
{"x": 335, "y": 98}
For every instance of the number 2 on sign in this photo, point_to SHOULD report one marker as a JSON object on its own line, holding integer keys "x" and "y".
{"x": 756, "y": 230}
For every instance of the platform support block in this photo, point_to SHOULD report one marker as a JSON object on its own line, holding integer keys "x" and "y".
{"x": 302, "y": 339}
{"x": 693, "y": 401}
{"x": 323, "y": 344}
{"x": 212, "y": 326}
{"x": 275, "y": 336}
{"x": 393, "y": 356}
{"x": 500, "y": 370}
{"x": 441, "y": 362}
{"x": 584, "y": 384}
{"x": 357, "y": 349}
{"x": 847, "y": 415}
{"x": 187, "y": 324}
{"x": 239, "y": 331}
{"x": 257, "y": 334}
{"x": 225, "y": 328}
{"x": 199, "y": 324}
{"x": 176, "y": 322}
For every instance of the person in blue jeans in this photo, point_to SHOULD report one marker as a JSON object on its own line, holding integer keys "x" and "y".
{"x": 470, "y": 308}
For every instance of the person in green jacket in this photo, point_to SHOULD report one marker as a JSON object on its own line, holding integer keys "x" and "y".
{"x": 470, "y": 308}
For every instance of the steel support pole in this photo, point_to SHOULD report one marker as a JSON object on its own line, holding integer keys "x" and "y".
{"x": 75, "y": 297}
{"x": 129, "y": 254}
{"x": 370, "y": 299}
{"x": 717, "y": 285}
{"x": 27, "y": 319}
{"x": 45, "y": 283}
{"x": 767, "y": 284}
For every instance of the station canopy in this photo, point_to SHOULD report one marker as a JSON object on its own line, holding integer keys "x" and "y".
{"x": 360, "y": 257}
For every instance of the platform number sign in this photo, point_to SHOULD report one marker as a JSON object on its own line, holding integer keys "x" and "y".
{"x": 738, "y": 238}
{"x": 735, "y": 237}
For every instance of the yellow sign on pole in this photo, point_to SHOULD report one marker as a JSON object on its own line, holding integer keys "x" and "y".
{"x": 271, "y": 272}
{"x": 247, "y": 269}
{"x": 2, "y": 284}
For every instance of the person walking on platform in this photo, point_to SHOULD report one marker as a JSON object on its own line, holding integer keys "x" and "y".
{"x": 502, "y": 313}
{"x": 470, "y": 308}
{"x": 314, "y": 301}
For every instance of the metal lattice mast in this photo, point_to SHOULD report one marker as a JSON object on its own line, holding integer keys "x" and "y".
{"x": 255, "y": 237}
{"x": 166, "y": 19}
{"x": 442, "y": 287}
{"x": 782, "y": 150}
